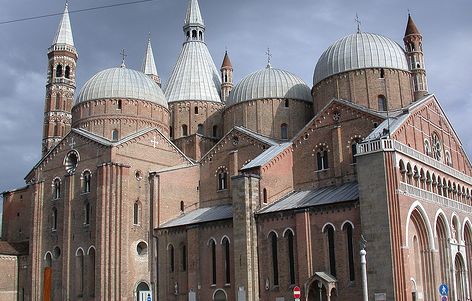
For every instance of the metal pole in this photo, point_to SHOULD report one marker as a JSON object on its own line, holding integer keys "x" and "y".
{"x": 365, "y": 293}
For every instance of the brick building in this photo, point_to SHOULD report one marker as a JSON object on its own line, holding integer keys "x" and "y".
{"x": 206, "y": 190}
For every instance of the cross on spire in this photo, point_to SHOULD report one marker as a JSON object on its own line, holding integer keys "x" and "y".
{"x": 269, "y": 56}
{"x": 124, "y": 55}
{"x": 358, "y": 21}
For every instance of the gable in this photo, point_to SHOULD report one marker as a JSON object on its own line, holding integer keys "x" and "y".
{"x": 88, "y": 148}
{"x": 427, "y": 129}
{"x": 152, "y": 149}
{"x": 237, "y": 148}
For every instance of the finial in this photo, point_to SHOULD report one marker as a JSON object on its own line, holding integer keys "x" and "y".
{"x": 269, "y": 56}
{"x": 358, "y": 21}
{"x": 124, "y": 55}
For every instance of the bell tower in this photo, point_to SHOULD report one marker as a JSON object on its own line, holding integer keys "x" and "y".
{"x": 226, "y": 77}
{"x": 414, "y": 50}
{"x": 60, "y": 86}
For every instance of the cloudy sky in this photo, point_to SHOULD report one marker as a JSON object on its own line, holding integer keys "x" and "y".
{"x": 297, "y": 32}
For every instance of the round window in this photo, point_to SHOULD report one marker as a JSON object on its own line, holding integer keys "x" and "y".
{"x": 141, "y": 248}
{"x": 139, "y": 175}
{"x": 71, "y": 161}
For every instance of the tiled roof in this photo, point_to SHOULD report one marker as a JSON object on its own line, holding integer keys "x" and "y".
{"x": 201, "y": 215}
{"x": 267, "y": 155}
{"x": 315, "y": 197}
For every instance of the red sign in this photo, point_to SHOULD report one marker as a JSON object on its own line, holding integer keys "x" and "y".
{"x": 296, "y": 292}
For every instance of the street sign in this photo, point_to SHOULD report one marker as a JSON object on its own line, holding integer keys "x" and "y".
{"x": 443, "y": 289}
{"x": 296, "y": 292}
{"x": 444, "y": 298}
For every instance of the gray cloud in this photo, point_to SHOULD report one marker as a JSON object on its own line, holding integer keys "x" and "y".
{"x": 296, "y": 31}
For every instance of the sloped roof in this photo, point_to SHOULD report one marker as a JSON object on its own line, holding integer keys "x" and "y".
{"x": 267, "y": 155}
{"x": 411, "y": 27}
{"x": 149, "y": 64}
{"x": 64, "y": 31}
{"x": 7, "y": 248}
{"x": 315, "y": 197}
{"x": 201, "y": 215}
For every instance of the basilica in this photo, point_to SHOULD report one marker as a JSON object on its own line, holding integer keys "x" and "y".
{"x": 195, "y": 187}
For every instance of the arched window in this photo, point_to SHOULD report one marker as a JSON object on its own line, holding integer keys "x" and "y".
{"x": 227, "y": 260}
{"x": 171, "y": 132}
{"x": 200, "y": 34}
{"x": 215, "y": 131}
{"x": 87, "y": 213}
{"x": 286, "y": 103}
{"x": 382, "y": 103}
{"x": 264, "y": 195}
{"x": 114, "y": 135}
{"x": 194, "y": 33}
{"x": 119, "y": 104}
{"x": 213, "y": 261}
{"x": 222, "y": 179}
{"x": 382, "y": 73}
{"x": 200, "y": 129}
{"x": 136, "y": 213}
{"x": 91, "y": 271}
{"x": 350, "y": 250}
{"x": 80, "y": 270}
{"x": 184, "y": 130}
{"x": 275, "y": 262}
{"x": 59, "y": 71}
{"x": 171, "y": 258}
{"x": 87, "y": 176}
{"x": 54, "y": 219}
{"x": 196, "y": 110}
{"x": 291, "y": 256}
{"x": 322, "y": 159}
{"x": 57, "y": 188}
{"x": 67, "y": 73}
{"x": 283, "y": 131}
{"x": 329, "y": 232}
{"x": 182, "y": 206}
{"x": 183, "y": 255}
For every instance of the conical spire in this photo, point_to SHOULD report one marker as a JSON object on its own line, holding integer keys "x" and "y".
{"x": 64, "y": 31}
{"x": 226, "y": 61}
{"x": 193, "y": 16}
{"x": 149, "y": 65}
{"x": 411, "y": 27}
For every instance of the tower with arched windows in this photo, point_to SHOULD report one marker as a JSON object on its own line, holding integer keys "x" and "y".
{"x": 414, "y": 50}
{"x": 60, "y": 86}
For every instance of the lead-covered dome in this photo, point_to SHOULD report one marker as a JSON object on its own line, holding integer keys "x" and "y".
{"x": 359, "y": 51}
{"x": 121, "y": 83}
{"x": 269, "y": 83}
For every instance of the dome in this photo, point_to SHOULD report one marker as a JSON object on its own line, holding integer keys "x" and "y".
{"x": 269, "y": 83}
{"x": 121, "y": 83}
{"x": 358, "y": 51}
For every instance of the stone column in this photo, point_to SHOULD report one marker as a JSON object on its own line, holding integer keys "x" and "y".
{"x": 245, "y": 190}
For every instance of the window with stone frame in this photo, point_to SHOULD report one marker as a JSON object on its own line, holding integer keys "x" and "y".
{"x": 86, "y": 179}
{"x": 322, "y": 159}
{"x": 222, "y": 178}
{"x": 213, "y": 261}
{"x": 274, "y": 258}
{"x": 227, "y": 259}
{"x": 54, "y": 219}
{"x": 56, "y": 188}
